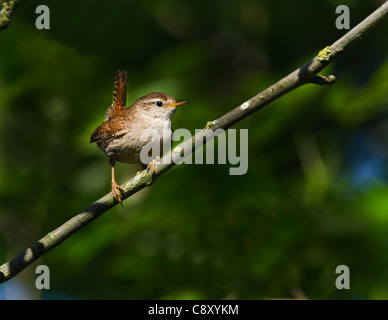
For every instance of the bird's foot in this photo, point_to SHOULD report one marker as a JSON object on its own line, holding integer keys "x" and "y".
{"x": 116, "y": 192}
{"x": 151, "y": 166}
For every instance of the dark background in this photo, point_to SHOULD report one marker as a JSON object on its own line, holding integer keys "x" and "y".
{"x": 315, "y": 195}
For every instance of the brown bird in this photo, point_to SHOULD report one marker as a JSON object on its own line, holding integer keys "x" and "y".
{"x": 120, "y": 136}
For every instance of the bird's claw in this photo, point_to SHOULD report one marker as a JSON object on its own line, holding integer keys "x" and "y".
{"x": 151, "y": 166}
{"x": 116, "y": 192}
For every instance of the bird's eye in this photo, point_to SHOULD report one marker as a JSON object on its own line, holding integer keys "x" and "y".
{"x": 159, "y": 103}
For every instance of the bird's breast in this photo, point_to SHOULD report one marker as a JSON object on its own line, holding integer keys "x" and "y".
{"x": 154, "y": 136}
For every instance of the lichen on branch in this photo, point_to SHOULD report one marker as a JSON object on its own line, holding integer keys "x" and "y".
{"x": 7, "y": 9}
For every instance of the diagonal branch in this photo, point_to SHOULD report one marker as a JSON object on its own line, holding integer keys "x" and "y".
{"x": 6, "y": 12}
{"x": 301, "y": 76}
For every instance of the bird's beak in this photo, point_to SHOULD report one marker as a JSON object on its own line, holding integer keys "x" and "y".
{"x": 177, "y": 103}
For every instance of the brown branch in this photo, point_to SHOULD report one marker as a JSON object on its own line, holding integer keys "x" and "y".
{"x": 301, "y": 76}
{"x": 323, "y": 80}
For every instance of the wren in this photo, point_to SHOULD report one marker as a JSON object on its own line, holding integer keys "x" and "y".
{"x": 120, "y": 135}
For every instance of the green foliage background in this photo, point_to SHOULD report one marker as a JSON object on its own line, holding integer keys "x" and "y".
{"x": 315, "y": 195}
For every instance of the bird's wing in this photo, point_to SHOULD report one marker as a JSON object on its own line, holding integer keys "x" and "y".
{"x": 112, "y": 128}
{"x": 119, "y": 95}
